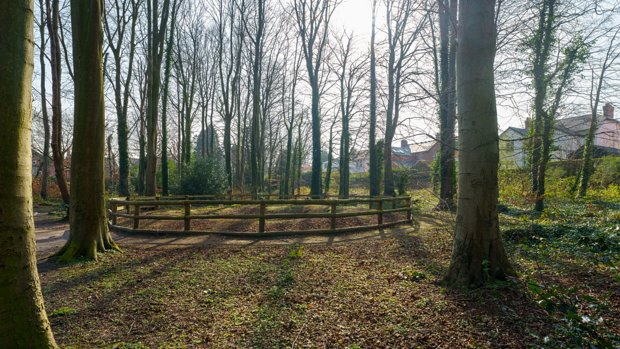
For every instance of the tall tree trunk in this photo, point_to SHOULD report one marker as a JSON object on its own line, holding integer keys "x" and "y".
{"x": 109, "y": 170}
{"x": 141, "y": 143}
{"x": 122, "y": 88}
{"x": 289, "y": 172}
{"x": 289, "y": 154}
{"x": 293, "y": 169}
{"x": 477, "y": 253}
{"x": 345, "y": 102}
{"x": 46, "y": 122}
{"x": 541, "y": 47}
{"x": 330, "y": 159}
{"x": 164, "y": 112}
{"x": 89, "y": 226}
{"x": 228, "y": 150}
{"x": 57, "y": 151}
{"x": 612, "y": 54}
{"x": 447, "y": 104}
{"x": 156, "y": 35}
{"x": 344, "y": 171}
{"x": 123, "y": 134}
{"x": 392, "y": 80}
{"x": 23, "y": 321}
{"x": 300, "y": 145}
{"x": 315, "y": 179}
{"x": 586, "y": 165}
{"x": 313, "y": 19}
{"x": 141, "y": 156}
{"x": 374, "y": 165}
{"x": 545, "y": 156}
{"x": 575, "y": 54}
{"x": 255, "y": 182}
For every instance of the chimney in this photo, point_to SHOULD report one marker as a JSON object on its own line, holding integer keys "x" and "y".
{"x": 405, "y": 145}
{"x": 528, "y": 122}
{"x": 608, "y": 111}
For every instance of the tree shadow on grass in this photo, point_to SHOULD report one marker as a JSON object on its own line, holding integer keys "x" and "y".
{"x": 115, "y": 302}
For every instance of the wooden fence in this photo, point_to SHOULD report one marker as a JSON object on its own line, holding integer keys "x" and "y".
{"x": 132, "y": 210}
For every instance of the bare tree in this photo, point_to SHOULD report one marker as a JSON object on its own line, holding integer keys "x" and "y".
{"x": 447, "y": 101}
{"x": 157, "y": 24}
{"x": 401, "y": 37}
{"x": 350, "y": 69}
{"x": 116, "y": 30}
{"x": 599, "y": 77}
{"x": 53, "y": 18}
{"x": 313, "y": 18}
{"x": 43, "y": 92}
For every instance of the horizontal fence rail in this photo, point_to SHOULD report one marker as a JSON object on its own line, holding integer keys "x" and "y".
{"x": 132, "y": 209}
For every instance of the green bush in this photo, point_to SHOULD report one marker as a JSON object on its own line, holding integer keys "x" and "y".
{"x": 204, "y": 177}
{"x": 403, "y": 179}
{"x": 607, "y": 172}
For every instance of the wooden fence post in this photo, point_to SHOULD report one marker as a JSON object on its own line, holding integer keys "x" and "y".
{"x": 380, "y": 214}
{"x": 333, "y": 217}
{"x": 409, "y": 208}
{"x": 136, "y": 216}
{"x": 186, "y": 219}
{"x": 113, "y": 208}
{"x": 261, "y": 219}
{"x": 157, "y": 199}
{"x": 127, "y": 205}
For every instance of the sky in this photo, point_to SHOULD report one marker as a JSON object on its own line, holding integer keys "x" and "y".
{"x": 355, "y": 15}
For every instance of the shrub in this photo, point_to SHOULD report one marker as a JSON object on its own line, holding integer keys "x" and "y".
{"x": 403, "y": 179}
{"x": 607, "y": 172}
{"x": 204, "y": 177}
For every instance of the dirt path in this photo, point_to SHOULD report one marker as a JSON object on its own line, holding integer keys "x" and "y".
{"x": 51, "y": 233}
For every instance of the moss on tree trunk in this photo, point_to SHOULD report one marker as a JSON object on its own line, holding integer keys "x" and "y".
{"x": 23, "y": 322}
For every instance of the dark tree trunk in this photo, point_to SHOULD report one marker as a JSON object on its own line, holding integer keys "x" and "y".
{"x": 56, "y": 143}
{"x": 157, "y": 32}
{"x": 447, "y": 104}
{"x": 330, "y": 159}
{"x": 164, "y": 112}
{"x": 255, "y": 172}
{"x": 89, "y": 226}
{"x": 46, "y": 122}
{"x": 374, "y": 165}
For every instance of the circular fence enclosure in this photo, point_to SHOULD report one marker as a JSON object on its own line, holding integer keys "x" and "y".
{"x": 199, "y": 214}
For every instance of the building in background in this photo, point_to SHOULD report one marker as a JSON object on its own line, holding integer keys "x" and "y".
{"x": 402, "y": 157}
{"x": 569, "y": 137}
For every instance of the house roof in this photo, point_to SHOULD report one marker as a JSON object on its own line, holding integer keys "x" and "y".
{"x": 574, "y": 126}
{"x": 521, "y": 131}
{"x": 598, "y": 151}
{"x": 401, "y": 151}
{"x": 579, "y": 125}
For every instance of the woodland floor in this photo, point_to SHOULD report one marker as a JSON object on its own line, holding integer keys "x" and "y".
{"x": 377, "y": 289}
